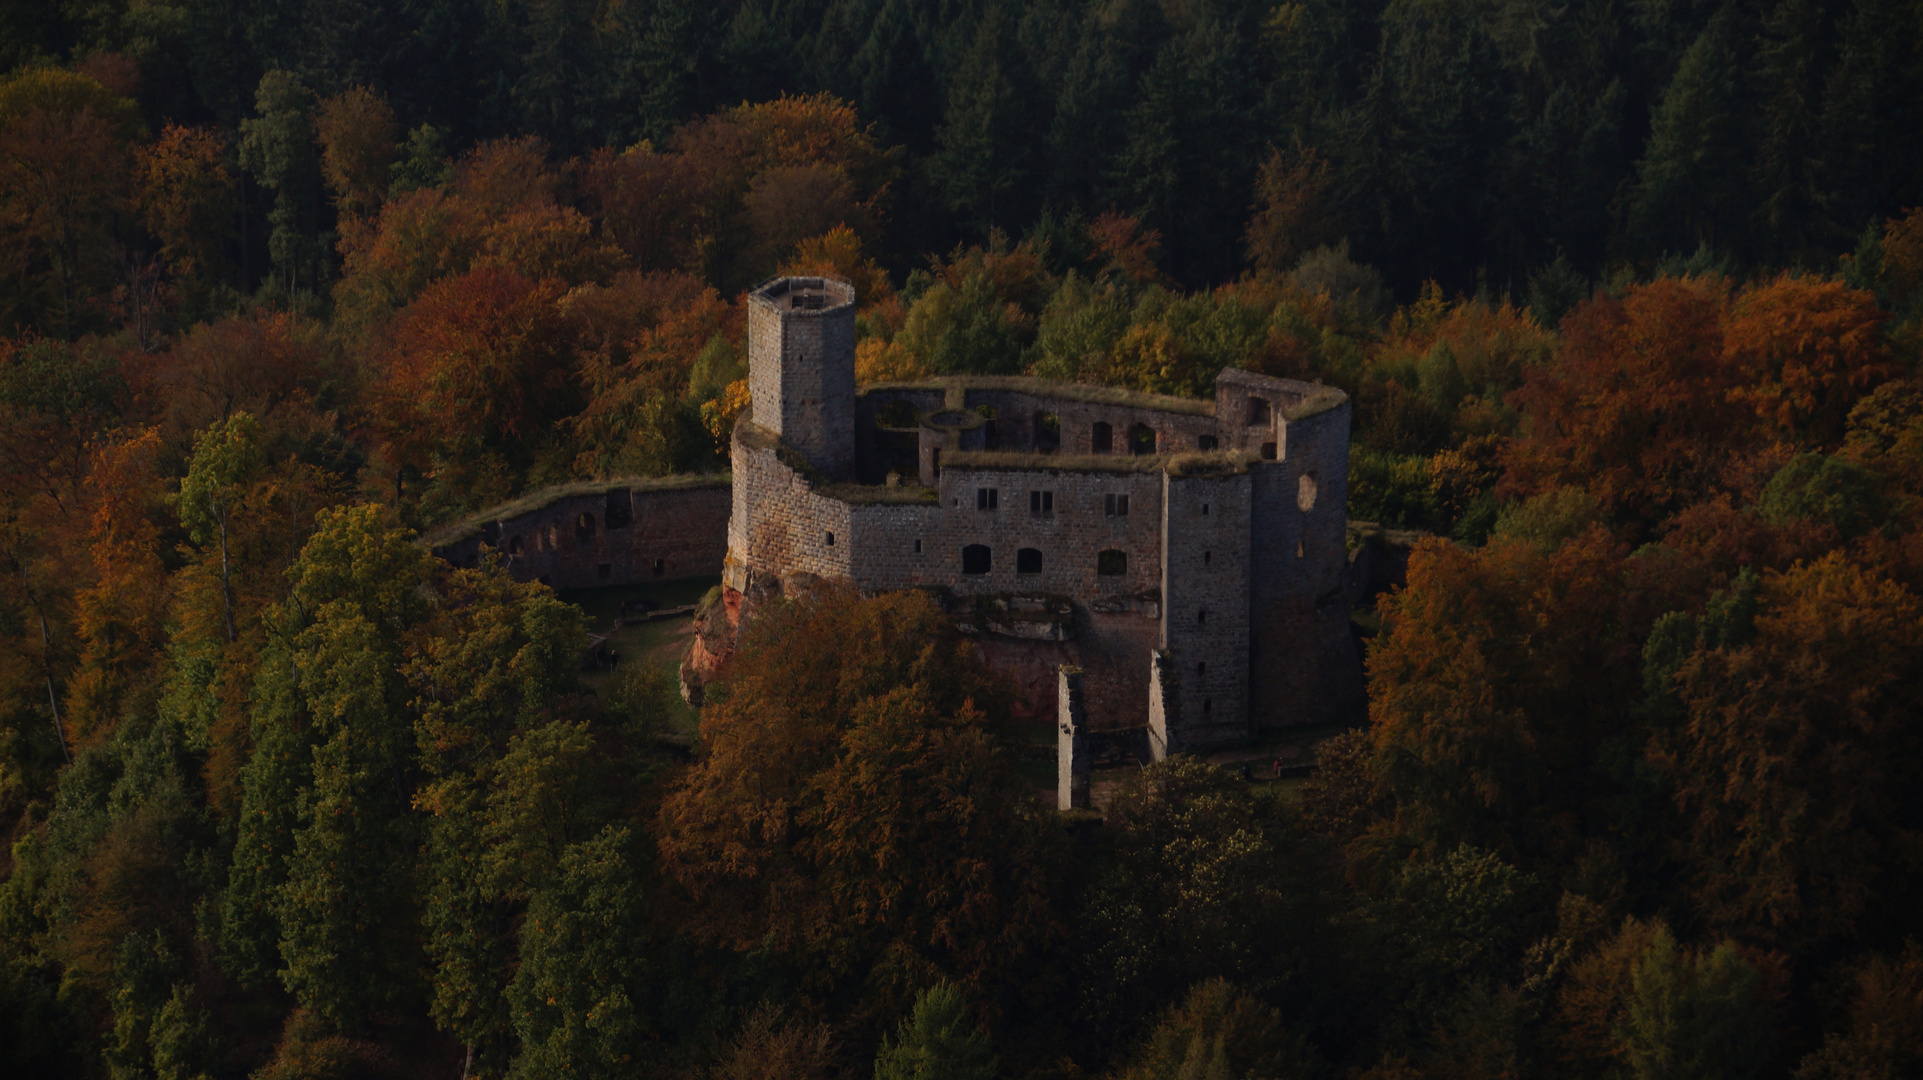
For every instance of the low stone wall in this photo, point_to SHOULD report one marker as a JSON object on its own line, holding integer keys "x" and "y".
{"x": 610, "y": 533}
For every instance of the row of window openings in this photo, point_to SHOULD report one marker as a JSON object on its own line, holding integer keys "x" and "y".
{"x": 1042, "y": 503}
{"x": 1142, "y": 439}
{"x": 979, "y": 559}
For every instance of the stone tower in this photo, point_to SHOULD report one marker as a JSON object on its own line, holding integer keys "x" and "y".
{"x": 801, "y": 367}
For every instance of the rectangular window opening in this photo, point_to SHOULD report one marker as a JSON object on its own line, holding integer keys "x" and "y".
{"x": 987, "y": 498}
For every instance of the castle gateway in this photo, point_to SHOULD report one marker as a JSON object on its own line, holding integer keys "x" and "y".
{"x": 1186, "y": 556}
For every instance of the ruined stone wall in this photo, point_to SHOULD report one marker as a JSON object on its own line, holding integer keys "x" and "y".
{"x": 1205, "y": 613}
{"x": 617, "y": 536}
{"x": 1304, "y": 667}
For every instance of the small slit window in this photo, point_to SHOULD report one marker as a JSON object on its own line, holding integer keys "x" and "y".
{"x": 1208, "y": 708}
{"x": 660, "y": 567}
{"x": 831, "y": 540}
{"x": 1111, "y": 563}
{"x": 1028, "y": 561}
{"x": 1101, "y": 439}
{"x": 1202, "y": 670}
{"x": 1205, "y": 558}
{"x": 584, "y": 527}
{"x": 1202, "y": 617}
{"x": 976, "y": 559}
{"x": 918, "y": 546}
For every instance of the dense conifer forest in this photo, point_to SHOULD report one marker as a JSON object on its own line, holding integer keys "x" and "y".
{"x": 1628, "y": 297}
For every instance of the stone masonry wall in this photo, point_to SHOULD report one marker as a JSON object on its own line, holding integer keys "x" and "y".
{"x": 1205, "y": 614}
{"x": 569, "y": 543}
{"x": 1304, "y": 664}
{"x": 801, "y": 368}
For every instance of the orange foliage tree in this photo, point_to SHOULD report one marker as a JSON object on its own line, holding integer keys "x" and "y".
{"x": 478, "y": 361}
{"x": 855, "y": 802}
{"x": 1498, "y": 673}
{"x": 121, "y": 614}
{"x": 1638, "y": 405}
{"x": 1793, "y": 766}
{"x": 1807, "y": 348}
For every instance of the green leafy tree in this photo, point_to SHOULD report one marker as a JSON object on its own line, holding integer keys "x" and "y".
{"x": 277, "y": 146}
{"x": 937, "y": 1042}
{"x": 581, "y": 997}
{"x": 1696, "y": 1017}
{"x": 1690, "y": 187}
{"x": 227, "y": 460}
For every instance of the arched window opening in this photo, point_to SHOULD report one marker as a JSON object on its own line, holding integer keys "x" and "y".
{"x": 1028, "y": 561}
{"x": 1111, "y": 563}
{"x": 1259, "y": 411}
{"x": 1101, "y": 439}
{"x": 976, "y": 559}
{"x": 1141, "y": 440}
{"x": 1305, "y": 492}
{"x": 584, "y": 527}
{"x": 1048, "y": 433}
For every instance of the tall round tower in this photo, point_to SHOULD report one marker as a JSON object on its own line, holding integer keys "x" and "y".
{"x": 801, "y": 367}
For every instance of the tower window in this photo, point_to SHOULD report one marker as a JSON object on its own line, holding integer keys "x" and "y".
{"x": 831, "y": 539}
{"x": 1041, "y": 502}
{"x": 987, "y": 498}
{"x": 1028, "y": 561}
{"x": 1111, "y": 563}
{"x": 918, "y": 546}
{"x": 1205, "y": 509}
{"x": 1208, "y": 708}
{"x": 976, "y": 559}
{"x": 1202, "y": 617}
{"x": 1115, "y": 505}
{"x": 1205, "y": 558}
{"x": 1202, "y": 670}
{"x": 1101, "y": 439}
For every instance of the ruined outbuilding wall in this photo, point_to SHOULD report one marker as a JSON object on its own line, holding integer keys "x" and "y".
{"x": 611, "y": 535}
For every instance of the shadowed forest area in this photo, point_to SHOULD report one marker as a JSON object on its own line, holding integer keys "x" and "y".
{"x": 1629, "y": 301}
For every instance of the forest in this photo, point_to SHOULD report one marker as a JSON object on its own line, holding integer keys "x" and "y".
{"x": 1627, "y": 296}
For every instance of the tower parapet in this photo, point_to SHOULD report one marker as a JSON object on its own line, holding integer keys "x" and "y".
{"x": 801, "y": 367}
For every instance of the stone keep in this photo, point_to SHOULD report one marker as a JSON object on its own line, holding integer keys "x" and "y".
{"x": 801, "y": 367}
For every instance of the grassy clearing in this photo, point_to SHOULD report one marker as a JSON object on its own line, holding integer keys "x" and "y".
{"x": 660, "y": 643}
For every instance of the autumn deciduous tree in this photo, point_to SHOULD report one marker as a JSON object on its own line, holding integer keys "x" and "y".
{"x": 1293, "y": 214}
{"x": 1790, "y": 768}
{"x": 187, "y": 199}
{"x": 478, "y": 361}
{"x": 1498, "y": 674}
{"x": 1807, "y": 348}
{"x": 357, "y": 133}
{"x": 1638, "y": 406}
{"x": 65, "y": 144}
{"x": 855, "y": 803}
{"x": 120, "y": 616}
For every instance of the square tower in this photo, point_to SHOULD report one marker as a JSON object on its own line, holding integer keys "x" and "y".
{"x": 801, "y": 367}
